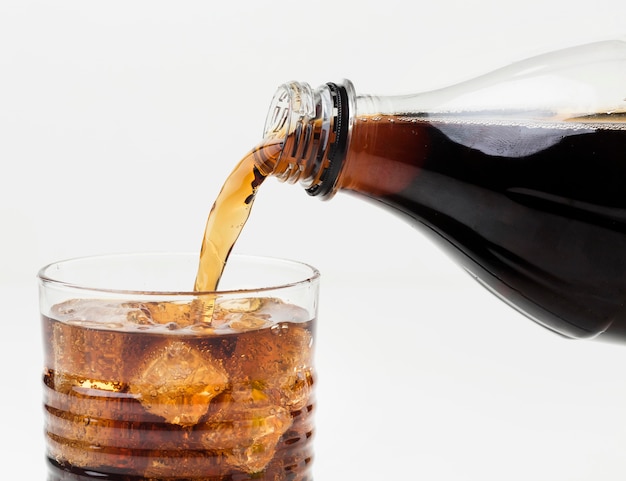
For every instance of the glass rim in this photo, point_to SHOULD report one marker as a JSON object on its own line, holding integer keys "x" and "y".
{"x": 45, "y": 276}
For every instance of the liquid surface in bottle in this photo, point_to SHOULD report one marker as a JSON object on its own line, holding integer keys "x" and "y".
{"x": 536, "y": 212}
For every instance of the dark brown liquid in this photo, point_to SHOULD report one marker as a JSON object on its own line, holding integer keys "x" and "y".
{"x": 231, "y": 402}
{"x": 536, "y": 212}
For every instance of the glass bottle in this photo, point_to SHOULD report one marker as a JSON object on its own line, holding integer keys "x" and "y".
{"x": 520, "y": 175}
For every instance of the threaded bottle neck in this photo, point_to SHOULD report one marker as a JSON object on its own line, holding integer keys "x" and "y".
{"x": 314, "y": 125}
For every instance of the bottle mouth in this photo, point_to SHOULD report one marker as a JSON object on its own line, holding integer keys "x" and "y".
{"x": 292, "y": 104}
{"x": 314, "y": 128}
{"x": 289, "y": 122}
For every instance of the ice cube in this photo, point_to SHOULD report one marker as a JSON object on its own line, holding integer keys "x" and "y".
{"x": 246, "y": 429}
{"x": 100, "y": 314}
{"x": 179, "y": 314}
{"x": 177, "y": 382}
{"x": 243, "y": 321}
{"x": 80, "y": 354}
{"x": 244, "y": 304}
{"x": 239, "y": 314}
{"x": 280, "y": 359}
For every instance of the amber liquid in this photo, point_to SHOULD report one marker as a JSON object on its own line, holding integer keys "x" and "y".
{"x": 231, "y": 211}
{"x": 230, "y": 402}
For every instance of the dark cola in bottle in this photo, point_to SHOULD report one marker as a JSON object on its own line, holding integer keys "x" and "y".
{"x": 520, "y": 175}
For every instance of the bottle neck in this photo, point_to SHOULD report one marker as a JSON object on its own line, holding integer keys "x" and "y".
{"x": 314, "y": 128}
{"x": 308, "y": 132}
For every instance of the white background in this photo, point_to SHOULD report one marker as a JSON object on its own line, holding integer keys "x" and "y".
{"x": 119, "y": 121}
